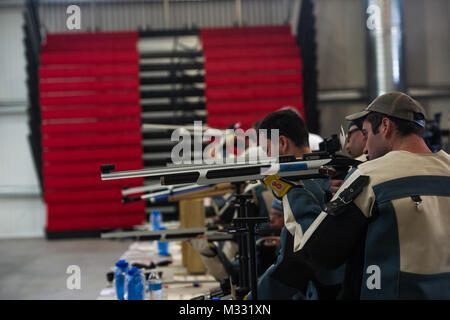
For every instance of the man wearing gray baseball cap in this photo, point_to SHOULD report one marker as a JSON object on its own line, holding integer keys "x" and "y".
{"x": 389, "y": 221}
{"x": 401, "y": 120}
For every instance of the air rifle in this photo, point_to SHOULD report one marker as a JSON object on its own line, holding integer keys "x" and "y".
{"x": 319, "y": 164}
{"x": 183, "y": 234}
{"x": 170, "y": 234}
{"x": 176, "y": 193}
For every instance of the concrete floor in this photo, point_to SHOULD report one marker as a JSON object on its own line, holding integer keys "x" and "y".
{"x": 36, "y": 268}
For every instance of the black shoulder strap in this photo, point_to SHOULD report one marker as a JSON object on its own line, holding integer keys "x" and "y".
{"x": 348, "y": 195}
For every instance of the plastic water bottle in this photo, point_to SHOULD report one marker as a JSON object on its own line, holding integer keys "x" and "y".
{"x": 119, "y": 278}
{"x": 163, "y": 247}
{"x": 155, "y": 224}
{"x": 135, "y": 284}
{"x": 155, "y": 220}
{"x": 154, "y": 286}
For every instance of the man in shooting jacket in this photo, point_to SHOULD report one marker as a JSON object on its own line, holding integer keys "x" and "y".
{"x": 389, "y": 222}
{"x": 293, "y": 140}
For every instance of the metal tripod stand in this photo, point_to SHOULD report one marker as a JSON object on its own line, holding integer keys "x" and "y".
{"x": 245, "y": 228}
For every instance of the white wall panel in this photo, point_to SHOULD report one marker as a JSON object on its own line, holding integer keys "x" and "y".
{"x": 22, "y": 212}
{"x": 12, "y": 57}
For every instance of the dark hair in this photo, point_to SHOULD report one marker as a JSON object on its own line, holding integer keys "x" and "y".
{"x": 257, "y": 123}
{"x": 358, "y": 123}
{"x": 404, "y": 127}
{"x": 289, "y": 124}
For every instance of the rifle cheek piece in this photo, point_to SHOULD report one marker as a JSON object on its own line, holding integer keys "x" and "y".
{"x": 127, "y": 199}
{"x": 107, "y": 168}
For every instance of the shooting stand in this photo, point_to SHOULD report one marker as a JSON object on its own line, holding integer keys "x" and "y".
{"x": 245, "y": 229}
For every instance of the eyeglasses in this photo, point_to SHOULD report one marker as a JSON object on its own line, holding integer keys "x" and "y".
{"x": 353, "y": 130}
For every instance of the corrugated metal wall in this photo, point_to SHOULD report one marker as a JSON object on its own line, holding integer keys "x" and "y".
{"x": 130, "y": 15}
{"x": 341, "y": 40}
{"x": 427, "y": 39}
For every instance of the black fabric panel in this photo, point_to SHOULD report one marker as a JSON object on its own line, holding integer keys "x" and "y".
{"x": 336, "y": 238}
{"x": 168, "y": 33}
{"x": 145, "y": 94}
{"x": 32, "y": 43}
{"x": 171, "y": 66}
{"x": 294, "y": 270}
{"x": 184, "y": 79}
{"x": 177, "y": 119}
{"x": 306, "y": 40}
{"x": 177, "y": 54}
{"x": 175, "y": 105}
{"x": 186, "y": 106}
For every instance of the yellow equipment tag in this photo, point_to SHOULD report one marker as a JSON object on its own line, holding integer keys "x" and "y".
{"x": 279, "y": 186}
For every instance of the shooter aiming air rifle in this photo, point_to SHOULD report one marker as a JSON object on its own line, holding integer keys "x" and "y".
{"x": 321, "y": 164}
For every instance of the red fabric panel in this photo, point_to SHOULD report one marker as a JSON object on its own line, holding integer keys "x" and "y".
{"x": 116, "y": 70}
{"x": 120, "y": 139}
{"x": 93, "y": 85}
{"x": 267, "y": 105}
{"x": 89, "y": 167}
{"x": 218, "y": 94}
{"x": 246, "y": 41}
{"x": 249, "y": 73}
{"x": 220, "y": 80}
{"x": 64, "y": 37}
{"x": 94, "y": 222}
{"x": 246, "y": 120}
{"x": 99, "y": 57}
{"x": 93, "y": 208}
{"x": 83, "y": 195}
{"x": 91, "y": 115}
{"x": 246, "y": 31}
{"x": 253, "y": 52}
{"x": 91, "y": 154}
{"x": 92, "y": 112}
{"x": 89, "y": 45}
{"x": 91, "y": 127}
{"x": 92, "y": 99}
{"x": 251, "y": 65}
{"x": 62, "y": 183}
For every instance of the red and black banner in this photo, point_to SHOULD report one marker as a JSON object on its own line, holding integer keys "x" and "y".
{"x": 97, "y": 89}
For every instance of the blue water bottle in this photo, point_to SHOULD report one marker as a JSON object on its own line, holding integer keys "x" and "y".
{"x": 155, "y": 220}
{"x": 163, "y": 247}
{"x": 135, "y": 284}
{"x": 119, "y": 278}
